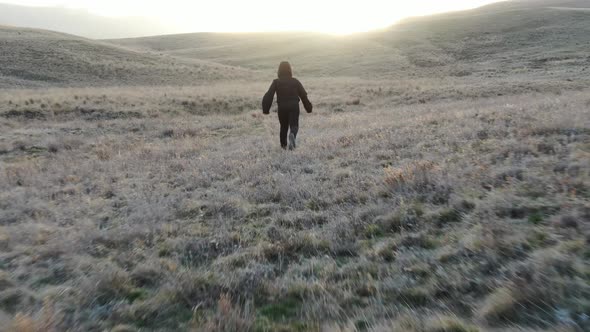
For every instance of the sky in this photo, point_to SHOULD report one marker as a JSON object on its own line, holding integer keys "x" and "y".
{"x": 329, "y": 16}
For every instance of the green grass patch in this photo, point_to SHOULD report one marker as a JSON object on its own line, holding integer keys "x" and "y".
{"x": 538, "y": 239}
{"x": 373, "y": 231}
{"x": 137, "y": 294}
{"x": 285, "y": 309}
{"x": 449, "y": 215}
{"x": 535, "y": 218}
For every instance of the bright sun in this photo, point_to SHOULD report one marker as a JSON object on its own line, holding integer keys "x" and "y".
{"x": 330, "y": 16}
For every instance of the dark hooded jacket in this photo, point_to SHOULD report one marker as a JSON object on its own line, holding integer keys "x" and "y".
{"x": 289, "y": 92}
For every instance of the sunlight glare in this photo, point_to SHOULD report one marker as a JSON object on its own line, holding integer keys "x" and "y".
{"x": 328, "y": 16}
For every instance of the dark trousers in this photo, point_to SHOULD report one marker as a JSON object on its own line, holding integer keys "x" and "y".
{"x": 289, "y": 119}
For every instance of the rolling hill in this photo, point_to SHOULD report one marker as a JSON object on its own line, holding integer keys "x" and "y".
{"x": 518, "y": 40}
{"x": 508, "y": 38}
{"x": 38, "y": 58}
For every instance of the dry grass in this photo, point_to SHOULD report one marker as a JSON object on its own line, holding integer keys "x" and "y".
{"x": 38, "y": 58}
{"x": 450, "y": 193}
{"x": 458, "y": 214}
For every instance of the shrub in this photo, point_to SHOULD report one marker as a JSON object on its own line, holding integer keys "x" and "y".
{"x": 388, "y": 251}
{"x": 535, "y": 218}
{"x": 414, "y": 297}
{"x": 421, "y": 179}
{"x": 567, "y": 221}
{"x": 146, "y": 275}
{"x": 500, "y": 306}
{"x": 53, "y": 147}
{"x": 449, "y": 215}
{"x": 14, "y": 299}
{"x": 306, "y": 244}
{"x": 373, "y": 231}
{"x": 228, "y": 317}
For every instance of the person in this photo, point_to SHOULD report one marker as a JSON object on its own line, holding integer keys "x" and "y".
{"x": 289, "y": 92}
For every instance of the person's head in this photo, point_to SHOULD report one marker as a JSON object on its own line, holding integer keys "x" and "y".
{"x": 285, "y": 70}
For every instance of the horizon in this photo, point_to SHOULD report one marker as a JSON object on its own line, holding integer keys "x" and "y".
{"x": 331, "y": 17}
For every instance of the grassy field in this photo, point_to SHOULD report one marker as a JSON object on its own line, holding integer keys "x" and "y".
{"x": 441, "y": 184}
{"x": 451, "y": 215}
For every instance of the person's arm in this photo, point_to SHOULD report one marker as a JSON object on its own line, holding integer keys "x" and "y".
{"x": 303, "y": 95}
{"x": 269, "y": 97}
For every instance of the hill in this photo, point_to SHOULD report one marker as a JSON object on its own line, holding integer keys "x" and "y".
{"x": 38, "y": 58}
{"x": 512, "y": 38}
{"x": 79, "y": 22}
{"x": 519, "y": 42}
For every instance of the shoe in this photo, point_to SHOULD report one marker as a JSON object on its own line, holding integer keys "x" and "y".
{"x": 292, "y": 143}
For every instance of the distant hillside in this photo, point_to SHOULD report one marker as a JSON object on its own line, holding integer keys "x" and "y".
{"x": 521, "y": 40}
{"x": 501, "y": 39}
{"x": 313, "y": 53}
{"x": 79, "y": 22}
{"x": 37, "y": 58}
{"x": 541, "y": 3}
